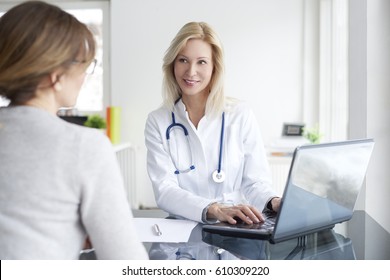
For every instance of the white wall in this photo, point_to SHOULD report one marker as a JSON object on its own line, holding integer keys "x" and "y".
{"x": 378, "y": 109}
{"x": 370, "y": 115}
{"x": 370, "y": 98}
{"x": 264, "y": 53}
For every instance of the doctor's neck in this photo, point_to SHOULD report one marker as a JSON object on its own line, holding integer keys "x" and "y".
{"x": 196, "y": 108}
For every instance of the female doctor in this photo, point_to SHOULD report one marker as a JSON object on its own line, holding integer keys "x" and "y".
{"x": 205, "y": 156}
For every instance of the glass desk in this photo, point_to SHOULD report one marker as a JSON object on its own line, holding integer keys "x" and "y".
{"x": 323, "y": 245}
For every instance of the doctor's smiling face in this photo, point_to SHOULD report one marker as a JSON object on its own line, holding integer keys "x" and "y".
{"x": 193, "y": 68}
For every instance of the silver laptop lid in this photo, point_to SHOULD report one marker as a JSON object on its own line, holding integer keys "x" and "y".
{"x": 322, "y": 187}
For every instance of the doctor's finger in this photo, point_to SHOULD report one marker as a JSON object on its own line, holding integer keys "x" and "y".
{"x": 258, "y": 214}
{"x": 239, "y": 214}
{"x": 233, "y": 215}
{"x": 251, "y": 213}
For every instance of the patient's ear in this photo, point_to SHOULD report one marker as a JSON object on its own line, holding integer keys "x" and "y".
{"x": 57, "y": 86}
{"x": 55, "y": 79}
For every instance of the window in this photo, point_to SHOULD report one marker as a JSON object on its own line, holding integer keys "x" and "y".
{"x": 326, "y": 91}
{"x": 3, "y": 102}
{"x": 94, "y": 93}
{"x": 333, "y": 93}
{"x": 91, "y": 94}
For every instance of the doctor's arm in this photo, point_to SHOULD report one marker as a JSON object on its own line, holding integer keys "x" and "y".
{"x": 170, "y": 197}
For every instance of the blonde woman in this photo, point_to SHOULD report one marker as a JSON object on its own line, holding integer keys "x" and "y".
{"x": 205, "y": 159}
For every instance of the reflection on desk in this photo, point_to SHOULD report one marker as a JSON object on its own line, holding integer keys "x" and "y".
{"x": 194, "y": 249}
{"x": 323, "y": 245}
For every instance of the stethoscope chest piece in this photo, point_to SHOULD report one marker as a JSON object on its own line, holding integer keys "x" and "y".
{"x": 218, "y": 177}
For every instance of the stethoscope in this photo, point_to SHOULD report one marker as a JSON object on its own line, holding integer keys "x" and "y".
{"x": 218, "y": 175}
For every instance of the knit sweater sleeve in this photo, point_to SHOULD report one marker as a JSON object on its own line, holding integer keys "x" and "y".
{"x": 105, "y": 211}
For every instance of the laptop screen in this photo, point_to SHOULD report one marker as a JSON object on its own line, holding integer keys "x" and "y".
{"x": 322, "y": 187}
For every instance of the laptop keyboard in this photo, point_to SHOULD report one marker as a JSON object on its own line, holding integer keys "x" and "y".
{"x": 267, "y": 225}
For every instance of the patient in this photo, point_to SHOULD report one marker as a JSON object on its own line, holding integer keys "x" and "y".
{"x": 59, "y": 182}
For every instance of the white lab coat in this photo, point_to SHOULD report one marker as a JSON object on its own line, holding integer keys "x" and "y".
{"x": 244, "y": 161}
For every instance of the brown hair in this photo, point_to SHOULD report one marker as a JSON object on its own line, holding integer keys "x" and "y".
{"x": 38, "y": 38}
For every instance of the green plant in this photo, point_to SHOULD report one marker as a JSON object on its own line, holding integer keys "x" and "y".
{"x": 95, "y": 121}
{"x": 312, "y": 134}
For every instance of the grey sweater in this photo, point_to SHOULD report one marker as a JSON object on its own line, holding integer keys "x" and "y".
{"x": 60, "y": 182}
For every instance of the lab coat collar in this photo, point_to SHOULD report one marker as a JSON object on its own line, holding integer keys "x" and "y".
{"x": 181, "y": 107}
{"x": 182, "y": 110}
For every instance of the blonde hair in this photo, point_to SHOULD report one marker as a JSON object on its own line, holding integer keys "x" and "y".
{"x": 171, "y": 90}
{"x": 38, "y": 38}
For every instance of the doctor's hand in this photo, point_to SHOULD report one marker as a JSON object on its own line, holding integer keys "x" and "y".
{"x": 275, "y": 202}
{"x": 248, "y": 214}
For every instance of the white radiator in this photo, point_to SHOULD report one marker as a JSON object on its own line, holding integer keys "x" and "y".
{"x": 126, "y": 155}
{"x": 280, "y": 167}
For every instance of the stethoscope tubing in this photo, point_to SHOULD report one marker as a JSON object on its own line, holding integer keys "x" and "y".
{"x": 172, "y": 125}
{"x": 218, "y": 175}
{"x": 221, "y": 143}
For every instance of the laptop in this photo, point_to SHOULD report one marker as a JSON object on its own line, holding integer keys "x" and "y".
{"x": 322, "y": 188}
